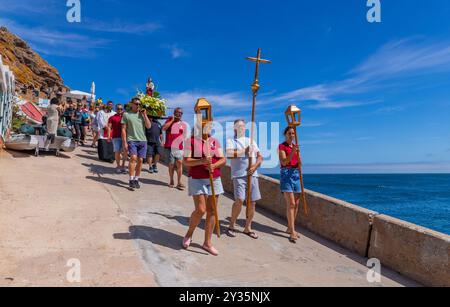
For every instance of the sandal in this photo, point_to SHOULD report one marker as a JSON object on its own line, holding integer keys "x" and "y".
{"x": 187, "y": 242}
{"x": 181, "y": 187}
{"x": 211, "y": 250}
{"x": 251, "y": 234}
{"x": 171, "y": 185}
{"x": 293, "y": 240}
{"x": 231, "y": 233}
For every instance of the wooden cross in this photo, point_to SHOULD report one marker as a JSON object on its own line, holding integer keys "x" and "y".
{"x": 255, "y": 89}
{"x": 258, "y": 60}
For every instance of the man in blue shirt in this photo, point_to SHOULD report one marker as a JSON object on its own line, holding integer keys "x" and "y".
{"x": 154, "y": 147}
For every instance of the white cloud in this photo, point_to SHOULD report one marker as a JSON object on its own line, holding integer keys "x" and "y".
{"x": 57, "y": 43}
{"x": 391, "y": 65}
{"x": 121, "y": 27}
{"x": 175, "y": 51}
{"x": 25, "y": 7}
{"x": 219, "y": 100}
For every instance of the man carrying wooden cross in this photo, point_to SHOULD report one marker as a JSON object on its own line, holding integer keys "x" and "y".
{"x": 238, "y": 150}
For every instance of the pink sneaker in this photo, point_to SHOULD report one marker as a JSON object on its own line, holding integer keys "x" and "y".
{"x": 186, "y": 242}
{"x": 211, "y": 250}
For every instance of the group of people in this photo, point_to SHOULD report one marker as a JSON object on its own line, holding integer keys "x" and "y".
{"x": 138, "y": 138}
{"x": 141, "y": 138}
{"x": 78, "y": 119}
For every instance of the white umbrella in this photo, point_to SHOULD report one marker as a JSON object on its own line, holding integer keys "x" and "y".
{"x": 93, "y": 92}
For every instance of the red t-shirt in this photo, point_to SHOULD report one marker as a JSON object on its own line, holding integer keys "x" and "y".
{"x": 116, "y": 123}
{"x": 174, "y": 135}
{"x": 198, "y": 150}
{"x": 288, "y": 149}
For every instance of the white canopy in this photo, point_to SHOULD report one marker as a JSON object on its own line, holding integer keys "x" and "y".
{"x": 75, "y": 94}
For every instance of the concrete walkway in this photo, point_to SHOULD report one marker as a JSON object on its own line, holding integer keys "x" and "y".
{"x": 75, "y": 207}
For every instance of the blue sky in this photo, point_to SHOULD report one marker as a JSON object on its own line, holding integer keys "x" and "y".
{"x": 375, "y": 97}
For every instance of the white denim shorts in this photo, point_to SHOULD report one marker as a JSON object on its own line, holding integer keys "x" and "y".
{"x": 203, "y": 187}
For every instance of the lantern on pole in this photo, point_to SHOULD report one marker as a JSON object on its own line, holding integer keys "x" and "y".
{"x": 293, "y": 118}
{"x": 203, "y": 110}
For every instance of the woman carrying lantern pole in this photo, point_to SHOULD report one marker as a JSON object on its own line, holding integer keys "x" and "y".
{"x": 204, "y": 157}
{"x": 291, "y": 177}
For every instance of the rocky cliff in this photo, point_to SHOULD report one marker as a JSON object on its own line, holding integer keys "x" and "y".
{"x": 30, "y": 69}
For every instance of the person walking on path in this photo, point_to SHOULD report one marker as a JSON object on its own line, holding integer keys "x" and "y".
{"x": 68, "y": 116}
{"x": 290, "y": 179}
{"x": 102, "y": 120}
{"x": 94, "y": 126}
{"x": 86, "y": 120}
{"x": 52, "y": 122}
{"x": 115, "y": 136}
{"x": 78, "y": 124}
{"x": 154, "y": 147}
{"x": 202, "y": 160}
{"x": 134, "y": 140}
{"x": 238, "y": 150}
{"x": 176, "y": 134}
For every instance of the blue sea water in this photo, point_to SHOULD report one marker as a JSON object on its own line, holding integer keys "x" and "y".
{"x": 422, "y": 199}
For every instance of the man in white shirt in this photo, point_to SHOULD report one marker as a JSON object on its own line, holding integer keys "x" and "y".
{"x": 103, "y": 118}
{"x": 239, "y": 151}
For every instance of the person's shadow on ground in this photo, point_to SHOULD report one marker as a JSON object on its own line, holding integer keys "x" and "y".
{"x": 182, "y": 220}
{"x": 156, "y": 236}
{"x": 102, "y": 170}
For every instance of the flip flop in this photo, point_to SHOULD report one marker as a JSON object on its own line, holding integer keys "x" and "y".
{"x": 292, "y": 240}
{"x": 251, "y": 234}
{"x": 171, "y": 186}
{"x": 231, "y": 233}
{"x": 181, "y": 187}
{"x": 211, "y": 250}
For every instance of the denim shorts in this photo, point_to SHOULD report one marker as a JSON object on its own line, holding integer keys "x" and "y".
{"x": 154, "y": 149}
{"x": 137, "y": 149}
{"x": 290, "y": 181}
{"x": 174, "y": 155}
{"x": 240, "y": 189}
{"x": 203, "y": 187}
{"x": 118, "y": 145}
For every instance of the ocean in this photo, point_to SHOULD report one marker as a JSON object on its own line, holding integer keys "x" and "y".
{"x": 422, "y": 199}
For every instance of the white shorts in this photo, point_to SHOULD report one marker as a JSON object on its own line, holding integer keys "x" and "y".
{"x": 203, "y": 187}
{"x": 240, "y": 189}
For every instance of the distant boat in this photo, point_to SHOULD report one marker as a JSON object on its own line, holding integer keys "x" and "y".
{"x": 23, "y": 142}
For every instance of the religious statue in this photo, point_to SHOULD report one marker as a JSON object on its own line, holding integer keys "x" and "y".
{"x": 150, "y": 88}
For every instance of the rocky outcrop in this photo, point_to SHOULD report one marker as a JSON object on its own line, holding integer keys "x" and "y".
{"x": 32, "y": 72}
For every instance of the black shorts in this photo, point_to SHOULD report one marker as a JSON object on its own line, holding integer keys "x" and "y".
{"x": 154, "y": 149}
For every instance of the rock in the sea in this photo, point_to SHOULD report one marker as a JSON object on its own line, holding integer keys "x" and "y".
{"x": 30, "y": 69}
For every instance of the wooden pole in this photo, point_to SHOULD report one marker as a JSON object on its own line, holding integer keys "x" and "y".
{"x": 214, "y": 199}
{"x": 305, "y": 204}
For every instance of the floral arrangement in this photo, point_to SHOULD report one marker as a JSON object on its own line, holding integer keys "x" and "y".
{"x": 155, "y": 105}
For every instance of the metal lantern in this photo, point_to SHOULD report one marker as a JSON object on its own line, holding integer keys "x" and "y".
{"x": 203, "y": 107}
{"x": 293, "y": 116}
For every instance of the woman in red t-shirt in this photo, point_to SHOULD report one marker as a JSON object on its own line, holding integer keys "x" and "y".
{"x": 201, "y": 160}
{"x": 290, "y": 179}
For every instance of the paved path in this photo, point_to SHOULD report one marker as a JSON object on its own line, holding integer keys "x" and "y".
{"x": 55, "y": 209}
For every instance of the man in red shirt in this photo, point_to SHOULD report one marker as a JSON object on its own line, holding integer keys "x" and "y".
{"x": 115, "y": 136}
{"x": 176, "y": 134}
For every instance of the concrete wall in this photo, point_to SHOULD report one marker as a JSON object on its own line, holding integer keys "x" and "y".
{"x": 341, "y": 222}
{"x": 416, "y": 252}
